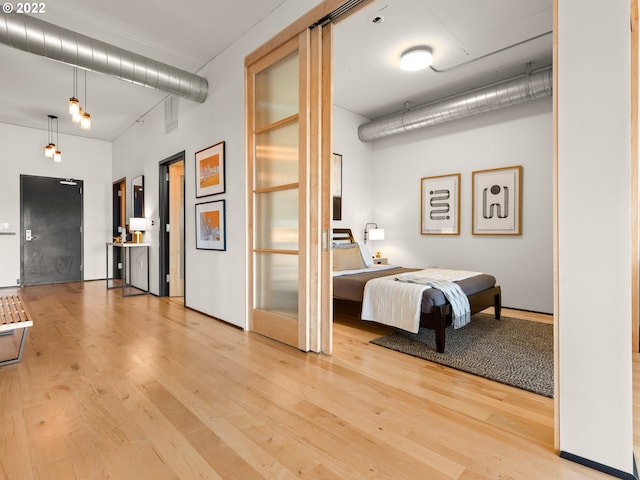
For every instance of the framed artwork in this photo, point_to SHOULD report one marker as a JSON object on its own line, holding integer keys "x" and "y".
{"x": 210, "y": 170}
{"x": 210, "y": 226}
{"x": 497, "y": 201}
{"x": 336, "y": 185}
{"x": 440, "y": 205}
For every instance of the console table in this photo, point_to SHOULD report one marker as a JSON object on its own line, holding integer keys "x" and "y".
{"x": 128, "y": 289}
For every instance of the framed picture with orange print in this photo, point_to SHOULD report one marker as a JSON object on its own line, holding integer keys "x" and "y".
{"x": 210, "y": 226}
{"x": 210, "y": 170}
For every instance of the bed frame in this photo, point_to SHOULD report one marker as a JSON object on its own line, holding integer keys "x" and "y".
{"x": 440, "y": 318}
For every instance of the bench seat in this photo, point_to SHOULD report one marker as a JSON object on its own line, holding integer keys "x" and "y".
{"x": 14, "y": 319}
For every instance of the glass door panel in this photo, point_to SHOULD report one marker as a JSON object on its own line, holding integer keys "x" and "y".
{"x": 277, "y": 156}
{"x": 276, "y": 220}
{"x": 277, "y": 283}
{"x": 276, "y": 91}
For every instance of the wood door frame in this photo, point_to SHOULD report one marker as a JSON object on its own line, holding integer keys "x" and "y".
{"x": 118, "y": 185}
{"x": 320, "y": 19}
{"x": 163, "y": 209}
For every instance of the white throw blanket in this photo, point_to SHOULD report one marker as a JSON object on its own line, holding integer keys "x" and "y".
{"x": 398, "y": 303}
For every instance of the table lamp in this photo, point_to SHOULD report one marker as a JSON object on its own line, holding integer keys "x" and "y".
{"x": 137, "y": 226}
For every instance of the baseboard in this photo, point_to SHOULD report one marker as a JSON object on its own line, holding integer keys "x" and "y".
{"x": 614, "y": 472}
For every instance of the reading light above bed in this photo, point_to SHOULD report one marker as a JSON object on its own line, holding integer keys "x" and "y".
{"x": 374, "y": 233}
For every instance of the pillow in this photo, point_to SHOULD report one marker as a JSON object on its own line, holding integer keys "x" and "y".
{"x": 347, "y": 257}
{"x": 366, "y": 254}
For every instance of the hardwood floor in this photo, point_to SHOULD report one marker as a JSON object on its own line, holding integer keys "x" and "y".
{"x": 141, "y": 388}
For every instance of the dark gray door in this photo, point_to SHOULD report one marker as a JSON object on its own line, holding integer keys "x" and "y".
{"x": 51, "y": 210}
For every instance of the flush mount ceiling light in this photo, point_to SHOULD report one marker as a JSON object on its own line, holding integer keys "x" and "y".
{"x": 416, "y": 58}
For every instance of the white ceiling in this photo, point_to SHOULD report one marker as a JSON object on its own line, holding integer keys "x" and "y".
{"x": 188, "y": 35}
{"x": 368, "y": 79}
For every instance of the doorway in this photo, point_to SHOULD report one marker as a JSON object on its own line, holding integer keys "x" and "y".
{"x": 51, "y": 226}
{"x": 172, "y": 251}
{"x": 118, "y": 223}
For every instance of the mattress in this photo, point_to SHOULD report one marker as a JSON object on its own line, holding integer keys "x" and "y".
{"x": 351, "y": 287}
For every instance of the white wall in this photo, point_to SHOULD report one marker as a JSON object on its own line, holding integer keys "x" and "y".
{"x": 82, "y": 159}
{"x": 215, "y": 281}
{"x": 594, "y": 236}
{"x": 357, "y": 172}
{"x": 388, "y": 188}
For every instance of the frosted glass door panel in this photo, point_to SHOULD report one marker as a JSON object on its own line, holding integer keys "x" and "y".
{"x": 277, "y": 156}
{"x": 277, "y": 220}
{"x": 276, "y": 91}
{"x": 277, "y": 283}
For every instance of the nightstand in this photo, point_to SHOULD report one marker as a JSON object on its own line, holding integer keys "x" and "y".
{"x": 380, "y": 261}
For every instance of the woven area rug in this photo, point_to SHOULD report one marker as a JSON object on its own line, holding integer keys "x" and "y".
{"x": 512, "y": 351}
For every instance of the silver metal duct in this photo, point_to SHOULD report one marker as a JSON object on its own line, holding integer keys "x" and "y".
{"x": 494, "y": 97}
{"x": 33, "y": 35}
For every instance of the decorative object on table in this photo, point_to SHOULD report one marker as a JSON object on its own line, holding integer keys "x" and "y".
{"x": 210, "y": 170}
{"x": 336, "y": 185}
{"x": 510, "y": 350}
{"x": 440, "y": 205}
{"x": 378, "y": 254}
{"x": 210, "y": 226}
{"x": 137, "y": 226}
{"x": 497, "y": 201}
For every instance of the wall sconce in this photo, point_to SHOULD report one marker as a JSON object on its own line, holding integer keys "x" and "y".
{"x": 374, "y": 233}
{"x": 137, "y": 226}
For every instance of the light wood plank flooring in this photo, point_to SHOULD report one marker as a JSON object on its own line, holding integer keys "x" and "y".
{"x": 141, "y": 388}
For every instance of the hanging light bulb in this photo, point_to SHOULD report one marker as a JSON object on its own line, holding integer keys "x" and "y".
{"x": 74, "y": 103}
{"x": 57, "y": 154}
{"x": 85, "y": 120}
{"x": 77, "y": 117}
{"x": 50, "y": 149}
{"x": 85, "y": 123}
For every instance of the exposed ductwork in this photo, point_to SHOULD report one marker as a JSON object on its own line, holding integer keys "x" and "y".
{"x": 493, "y": 97}
{"x": 42, "y": 38}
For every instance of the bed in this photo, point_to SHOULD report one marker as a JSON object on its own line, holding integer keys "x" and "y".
{"x": 435, "y": 312}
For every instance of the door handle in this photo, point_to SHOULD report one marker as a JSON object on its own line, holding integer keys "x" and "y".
{"x": 27, "y": 235}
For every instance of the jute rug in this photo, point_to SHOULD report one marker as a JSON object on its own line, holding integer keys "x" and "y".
{"x": 512, "y": 351}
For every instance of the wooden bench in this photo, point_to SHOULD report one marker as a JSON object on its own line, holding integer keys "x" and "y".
{"x": 13, "y": 317}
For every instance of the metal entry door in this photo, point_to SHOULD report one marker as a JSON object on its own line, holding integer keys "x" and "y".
{"x": 51, "y": 225}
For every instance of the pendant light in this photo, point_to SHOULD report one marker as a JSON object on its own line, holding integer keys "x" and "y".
{"x": 85, "y": 121}
{"x": 57, "y": 155}
{"x": 50, "y": 149}
{"x": 74, "y": 103}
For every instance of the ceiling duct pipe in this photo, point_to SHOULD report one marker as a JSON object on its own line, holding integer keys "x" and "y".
{"x": 35, "y": 36}
{"x": 485, "y": 99}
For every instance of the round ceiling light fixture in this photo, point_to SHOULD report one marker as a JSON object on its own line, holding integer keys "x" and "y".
{"x": 416, "y": 58}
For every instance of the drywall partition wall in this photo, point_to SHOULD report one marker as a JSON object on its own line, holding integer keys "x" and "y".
{"x": 215, "y": 281}
{"x": 357, "y": 172}
{"x": 519, "y": 135}
{"x": 82, "y": 158}
{"x": 594, "y": 233}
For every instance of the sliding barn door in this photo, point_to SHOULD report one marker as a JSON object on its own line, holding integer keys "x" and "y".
{"x": 286, "y": 206}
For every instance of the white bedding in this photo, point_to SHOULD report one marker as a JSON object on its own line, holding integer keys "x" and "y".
{"x": 339, "y": 273}
{"x": 398, "y": 303}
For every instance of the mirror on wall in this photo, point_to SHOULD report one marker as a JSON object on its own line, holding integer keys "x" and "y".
{"x": 137, "y": 196}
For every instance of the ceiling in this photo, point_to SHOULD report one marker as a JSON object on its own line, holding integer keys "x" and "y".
{"x": 190, "y": 35}
{"x": 367, "y": 76}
